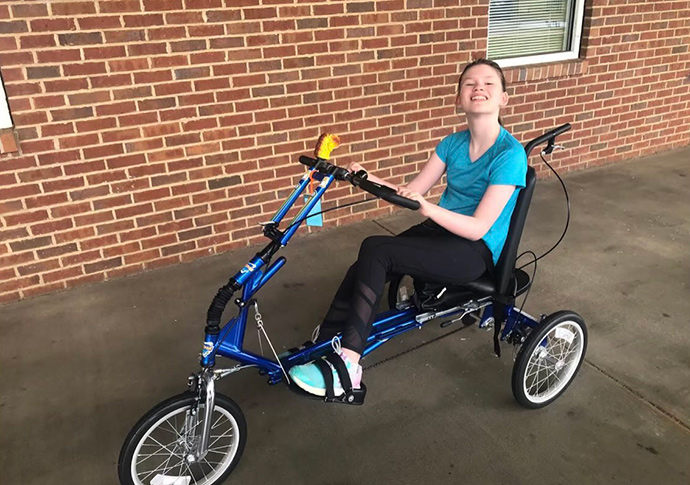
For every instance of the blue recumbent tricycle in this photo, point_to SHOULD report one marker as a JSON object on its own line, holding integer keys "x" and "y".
{"x": 198, "y": 437}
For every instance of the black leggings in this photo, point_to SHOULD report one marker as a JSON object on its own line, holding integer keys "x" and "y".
{"x": 426, "y": 251}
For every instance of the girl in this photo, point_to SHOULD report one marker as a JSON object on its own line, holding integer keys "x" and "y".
{"x": 462, "y": 237}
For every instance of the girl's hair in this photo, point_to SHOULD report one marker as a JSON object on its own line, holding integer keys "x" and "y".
{"x": 486, "y": 62}
{"x": 489, "y": 63}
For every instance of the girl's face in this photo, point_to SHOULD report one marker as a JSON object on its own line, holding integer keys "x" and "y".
{"x": 481, "y": 91}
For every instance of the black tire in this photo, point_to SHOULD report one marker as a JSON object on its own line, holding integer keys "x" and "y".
{"x": 532, "y": 390}
{"x": 176, "y": 406}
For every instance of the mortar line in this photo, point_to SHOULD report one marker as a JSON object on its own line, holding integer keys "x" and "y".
{"x": 640, "y": 396}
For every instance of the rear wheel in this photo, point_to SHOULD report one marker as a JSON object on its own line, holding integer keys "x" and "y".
{"x": 157, "y": 449}
{"x": 549, "y": 359}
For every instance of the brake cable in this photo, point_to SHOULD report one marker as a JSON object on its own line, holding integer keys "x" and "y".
{"x": 332, "y": 209}
{"x": 565, "y": 229}
{"x": 567, "y": 220}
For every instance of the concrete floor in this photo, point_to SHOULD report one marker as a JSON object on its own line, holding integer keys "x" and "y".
{"x": 80, "y": 367}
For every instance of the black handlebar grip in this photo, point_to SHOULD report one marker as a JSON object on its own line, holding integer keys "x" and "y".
{"x": 388, "y": 194}
{"x": 546, "y": 137}
{"x": 402, "y": 201}
{"x": 310, "y": 162}
{"x": 560, "y": 129}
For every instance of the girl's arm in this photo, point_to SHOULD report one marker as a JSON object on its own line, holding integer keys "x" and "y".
{"x": 472, "y": 227}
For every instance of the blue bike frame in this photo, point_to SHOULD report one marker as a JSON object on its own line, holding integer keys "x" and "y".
{"x": 253, "y": 276}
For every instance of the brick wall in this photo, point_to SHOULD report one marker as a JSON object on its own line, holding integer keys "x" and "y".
{"x": 152, "y": 132}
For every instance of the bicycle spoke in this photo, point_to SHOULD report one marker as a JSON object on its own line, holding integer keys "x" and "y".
{"x": 167, "y": 462}
{"x": 218, "y": 439}
{"x": 211, "y": 467}
{"x": 165, "y": 447}
{"x": 214, "y": 425}
{"x": 219, "y": 448}
{"x": 174, "y": 430}
{"x": 536, "y": 367}
{"x": 154, "y": 471}
{"x": 537, "y": 385}
{"x": 152, "y": 454}
{"x": 191, "y": 474}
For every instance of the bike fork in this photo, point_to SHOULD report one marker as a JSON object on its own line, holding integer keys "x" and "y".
{"x": 209, "y": 391}
{"x": 206, "y": 388}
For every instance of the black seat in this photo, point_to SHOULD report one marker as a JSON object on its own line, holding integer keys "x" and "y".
{"x": 506, "y": 281}
{"x": 506, "y": 284}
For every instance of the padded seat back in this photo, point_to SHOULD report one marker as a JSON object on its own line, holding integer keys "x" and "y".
{"x": 506, "y": 262}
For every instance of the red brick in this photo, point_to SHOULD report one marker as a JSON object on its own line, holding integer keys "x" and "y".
{"x": 57, "y": 129}
{"x": 15, "y": 58}
{"x": 96, "y": 124}
{"x": 28, "y": 10}
{"x": 102, "y": 265}
{"x": 184, "y": 18}
{"x": 37, "y": 41}
{"x": 19, "y": 283}
{"x": 104, "y": 52}
{"x": 126, "y": 161}
{"x": 100, "y": 22}
{"x": 26, "y": 217}
{"x": 62, "y": 274}
{"x": 52, "y": 227}
{"x": 135, "y": 64}
{"x": 78, "y": 141}
{"x": 40, "y": 267}
{"x": 14, "y": 27}
{"x": 9, "y": 234}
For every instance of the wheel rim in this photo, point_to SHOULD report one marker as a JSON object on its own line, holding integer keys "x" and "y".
{"x": 162, "y": 450}
{"x": 553, "y": 362}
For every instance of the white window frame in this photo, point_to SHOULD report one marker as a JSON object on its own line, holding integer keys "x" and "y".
{"x": 5, "y": 118}
{"x": 573, "y": 53}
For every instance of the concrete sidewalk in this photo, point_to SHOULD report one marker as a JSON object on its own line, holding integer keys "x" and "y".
{"x": 80, "y": 367}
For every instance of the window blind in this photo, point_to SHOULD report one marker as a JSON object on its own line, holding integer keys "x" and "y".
{"x": 520, "y": 28}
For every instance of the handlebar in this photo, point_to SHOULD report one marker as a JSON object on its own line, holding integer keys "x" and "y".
{"x": 359, "y": 180}
{"x": 549, "y": 136}
{"x": 386, "y": 193}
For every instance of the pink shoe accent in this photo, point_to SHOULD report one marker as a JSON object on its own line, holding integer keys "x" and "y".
{"x": 355, "y": 370}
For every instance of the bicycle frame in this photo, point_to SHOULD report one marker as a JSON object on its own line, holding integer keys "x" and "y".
{"x": 254, "y": 275}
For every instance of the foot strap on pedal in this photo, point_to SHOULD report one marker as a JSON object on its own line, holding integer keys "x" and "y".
{"x": 327, "y": 376}
{"x": 350, "y": 395}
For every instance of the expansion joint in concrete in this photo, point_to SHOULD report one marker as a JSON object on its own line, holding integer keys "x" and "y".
{"x": 640, "y": 396}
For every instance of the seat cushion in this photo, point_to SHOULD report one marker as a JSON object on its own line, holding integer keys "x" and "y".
{"x": 484, "y": 285}
{"x": 432, "y": 296}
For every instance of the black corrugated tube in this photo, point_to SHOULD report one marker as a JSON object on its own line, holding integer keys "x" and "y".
{"x": 220, "y": 301}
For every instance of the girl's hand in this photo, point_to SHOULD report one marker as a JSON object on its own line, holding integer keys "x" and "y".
{"x": 354, "y": 167}
{"x": 424, "y": 205}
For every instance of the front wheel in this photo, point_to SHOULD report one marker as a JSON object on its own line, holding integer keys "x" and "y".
{"x": 549, "y": 359}
{"x": 156, "y": 450}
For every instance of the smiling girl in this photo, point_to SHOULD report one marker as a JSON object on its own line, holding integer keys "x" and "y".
{"x": 462, "y": 237}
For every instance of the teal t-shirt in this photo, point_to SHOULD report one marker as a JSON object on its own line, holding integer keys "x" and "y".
{"x": 505, "y": 163}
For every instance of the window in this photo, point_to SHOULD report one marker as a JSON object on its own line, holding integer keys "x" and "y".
{"x": 5, "y": 119}
{"x": 533, "y": 31}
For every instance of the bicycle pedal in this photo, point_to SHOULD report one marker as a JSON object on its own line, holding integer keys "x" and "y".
{"x": 353, "y": 398}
